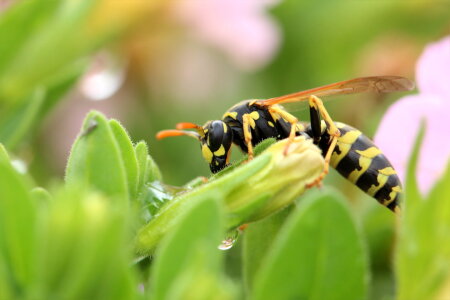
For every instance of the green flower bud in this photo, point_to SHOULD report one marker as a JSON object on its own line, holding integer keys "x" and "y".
{"x": 278, "y": 183}
{"x": 250, "y": 192}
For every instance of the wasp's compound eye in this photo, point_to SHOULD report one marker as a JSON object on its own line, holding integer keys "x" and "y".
{"x": 216, "y": 144}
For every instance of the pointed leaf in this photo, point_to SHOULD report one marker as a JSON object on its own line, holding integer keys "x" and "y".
{"x": 17, "y": 228}
{"x": 317, "y": 255}
{"x": 259, "y": 237}
{"x": 96, "y": 160}
{"x": 82, "y": 249}
{"x": 423, "y": 252}
{"x": 128, "y": 156}
{"x": 201, "y": 226}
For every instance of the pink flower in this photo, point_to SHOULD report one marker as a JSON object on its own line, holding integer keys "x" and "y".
{"x": 242, "y": 29}
{"x": 400, "y": 125}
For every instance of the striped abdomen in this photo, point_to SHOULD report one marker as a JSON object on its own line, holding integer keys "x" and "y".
{"x": 361, "y": 162}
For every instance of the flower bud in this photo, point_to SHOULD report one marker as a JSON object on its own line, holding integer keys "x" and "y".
{"x": 249, "y": 192}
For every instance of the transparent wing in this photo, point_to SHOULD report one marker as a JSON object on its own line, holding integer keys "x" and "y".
{"x": 378, "y": 84}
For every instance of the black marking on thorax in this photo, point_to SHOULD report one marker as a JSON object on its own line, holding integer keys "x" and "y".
{"x": 265, "y": 125}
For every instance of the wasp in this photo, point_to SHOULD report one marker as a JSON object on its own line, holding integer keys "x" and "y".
{"x": 343, "y": 147}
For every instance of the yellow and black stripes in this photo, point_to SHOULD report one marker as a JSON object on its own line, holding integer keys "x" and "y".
{"x": 362, "y": 163}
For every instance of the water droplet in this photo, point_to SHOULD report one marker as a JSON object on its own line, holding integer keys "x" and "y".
{"x": 104, "y": 77}
{"x": 227, "y": 243}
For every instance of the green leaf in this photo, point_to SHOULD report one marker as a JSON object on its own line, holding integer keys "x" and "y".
{"x": 148, "y": 170}
{"x": 21, "y": 119}
{"x": 18, "y": 120}
{"x": 96, "y": 160}
{"x": 423, "y": 252}
{"x": 82, "y": 249}
{"x": 258, "y": 239}
{"x": 200, "y": 229}
{"x": 197, "y": 281}
{"x": 34, "y": 61}
{"x": 19, "y": 22}
{"x": 141, "y": 151}
{"x": 128, "y": 156}
{"x": 3, "y": 154}
{"x": 17, "y": 230}
{"x": 317, "y": 255}
{"x": 412, "y": 191}
{"x": 41, "y": 196}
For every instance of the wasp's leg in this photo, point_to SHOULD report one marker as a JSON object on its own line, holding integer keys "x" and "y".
{"x": 288, "y": 118}
{"x": 316, "y": 106}
{"x": 246, "y": 126}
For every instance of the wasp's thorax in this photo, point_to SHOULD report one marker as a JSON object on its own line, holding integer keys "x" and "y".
{"x": 216, "y": 143}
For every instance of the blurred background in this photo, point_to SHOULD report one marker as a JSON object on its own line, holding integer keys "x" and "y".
{"x": 152, "y": 64}
{"x": 174, "y": 61}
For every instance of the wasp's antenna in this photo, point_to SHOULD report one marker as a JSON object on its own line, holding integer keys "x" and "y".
{"x": 186, "y": 125}
{"x": 172, "y": 132}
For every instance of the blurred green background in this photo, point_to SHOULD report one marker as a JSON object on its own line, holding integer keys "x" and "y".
{"x": 152, "y": 64}
{"x": 163, "y": 72}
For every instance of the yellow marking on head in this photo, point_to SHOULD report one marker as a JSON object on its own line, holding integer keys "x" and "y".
{"x": 271, "y": 124}
{"x": 387, "y": 171}
{"x": 364, "y": 163}
{"x": 254, "y": 115}
{"x": 225, "y": 128}
{"x": 220, "y": 151}
{"x": 207, "y": 154}
{"x": 381, "y": 179}
{"x": 231, "y": 114}
{"x": 369, "y": 152}
{"x": 252, "y": 102}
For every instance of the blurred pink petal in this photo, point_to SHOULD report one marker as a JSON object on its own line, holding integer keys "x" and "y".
{"x": 398, "y": 131}
{"x": 242, "y": 29}
{"x": 399, "y": 127}
{"x": 433, "y": 69}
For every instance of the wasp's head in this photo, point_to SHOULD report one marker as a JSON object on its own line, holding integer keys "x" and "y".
{"x": 215, "y": 138}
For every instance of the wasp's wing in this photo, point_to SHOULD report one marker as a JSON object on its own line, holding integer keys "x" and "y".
{"x": 379, "y": 84}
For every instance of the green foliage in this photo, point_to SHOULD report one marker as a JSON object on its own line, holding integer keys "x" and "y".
{"x": 192, "y": 243}
{"x": 39, "y": 63}
{"x": 317, "y": 255}
{"x": 423, "y": 253}
{"x": 76, "y": 241}
{"x": 73, "y": 247}
{"x": 17, "y": 232}
{"x": 96, "y": 159}
{"x": 258, "y": 239}
{"x": 115, "y": 230}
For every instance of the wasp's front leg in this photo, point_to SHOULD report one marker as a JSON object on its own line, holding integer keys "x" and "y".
{"x": 316, "y": 107}
{"x": 293, "y": 121}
